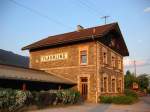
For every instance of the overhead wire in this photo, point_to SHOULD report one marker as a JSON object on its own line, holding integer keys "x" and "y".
{"x": 41, "y": 14}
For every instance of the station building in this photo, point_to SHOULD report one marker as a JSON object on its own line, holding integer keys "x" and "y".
{"x": 92, "y": 58}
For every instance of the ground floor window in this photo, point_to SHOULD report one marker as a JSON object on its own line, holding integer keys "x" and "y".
{"x": 113, "y": 85}
{"x": 119, "y": 85}
{"x": 104, "y": 84}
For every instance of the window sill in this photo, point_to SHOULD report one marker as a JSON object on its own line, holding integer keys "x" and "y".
{"x": 83, "y": 64}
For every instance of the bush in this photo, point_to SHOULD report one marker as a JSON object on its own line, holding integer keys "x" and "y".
{"x": 123, "y": 100}
{"x": 131, "y": 93}
{"x": 106, "y": 99}
{"x": 118, "y": 99}
{"x": 68, "y": 96}
{"x": 43, "y": 99}
{"x": 11, "y": 100}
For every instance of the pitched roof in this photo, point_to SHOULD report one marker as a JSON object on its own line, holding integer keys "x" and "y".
{"x": 71, "y": 36}
{"x": 84, "y": 34}
{"x": 19, "y": 73}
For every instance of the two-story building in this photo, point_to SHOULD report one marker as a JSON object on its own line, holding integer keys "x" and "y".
{"x": 92, "y": 58}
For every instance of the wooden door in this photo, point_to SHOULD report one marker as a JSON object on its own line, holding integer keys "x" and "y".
{"x": 84, "y": 87}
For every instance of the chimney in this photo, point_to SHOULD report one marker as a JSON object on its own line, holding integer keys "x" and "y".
{"x": 79, "y": 27}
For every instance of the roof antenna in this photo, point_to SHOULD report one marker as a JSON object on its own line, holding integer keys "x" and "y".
{"x": 105, "y": 18}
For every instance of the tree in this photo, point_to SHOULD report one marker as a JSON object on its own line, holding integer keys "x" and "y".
{"x": 143, "y": 81}
{"x": 129, "y": 79}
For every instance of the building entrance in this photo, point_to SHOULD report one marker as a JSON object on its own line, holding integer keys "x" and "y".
{"x": 84, "y": 87}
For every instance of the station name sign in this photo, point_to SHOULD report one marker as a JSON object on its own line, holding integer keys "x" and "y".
{"x": 54, "y": 57}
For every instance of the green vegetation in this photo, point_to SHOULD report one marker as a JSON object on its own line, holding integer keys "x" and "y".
{"x": 131, "y": 93}
{"x": 12, "y": 100}
{"x": 129, "y": 98}
{"x": 142, "y": 80}
{"x": 129, "y": 79}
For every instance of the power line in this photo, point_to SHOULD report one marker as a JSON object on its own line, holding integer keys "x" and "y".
{"x": 40, "y": 14}
{"x": 93, "y": 9}
{"x": 86, "y": 4}
{"x": 89, "y": 7}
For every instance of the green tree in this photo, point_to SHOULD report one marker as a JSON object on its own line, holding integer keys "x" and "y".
{"x": 129, "y": 79}
{"x": 143, "y": 81}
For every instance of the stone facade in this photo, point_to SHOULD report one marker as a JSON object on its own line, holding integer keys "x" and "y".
{"x": 100, "y": 75}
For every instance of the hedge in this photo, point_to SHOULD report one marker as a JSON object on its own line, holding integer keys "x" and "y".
{"x": 12, "y": 100}
{"x": 129, "y": 98}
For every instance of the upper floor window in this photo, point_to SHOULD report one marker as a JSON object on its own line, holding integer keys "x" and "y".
{"x": 113, "y": 61}
{"x": 119, "y": 63}
{"x": 104, "y": 57}
{"x": 83, "y": 57}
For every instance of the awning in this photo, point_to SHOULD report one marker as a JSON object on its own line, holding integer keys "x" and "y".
{"x": 19, "y": 73}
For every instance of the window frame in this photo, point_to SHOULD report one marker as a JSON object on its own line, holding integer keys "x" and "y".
{"x": 81, "y": 49}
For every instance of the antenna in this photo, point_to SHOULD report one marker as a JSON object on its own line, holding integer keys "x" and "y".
{"x": 105, "y": 18}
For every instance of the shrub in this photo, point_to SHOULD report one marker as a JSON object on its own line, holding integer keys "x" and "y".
{"x": 68, "y": 96}
{"x": 11, "y": 100}
{"x": 106, "y": 99}
{"x": 131, "y": 93}
{"x": 118, "y": 99}
{"x": 43, "y": 99}
{"x": 123, "y": 99}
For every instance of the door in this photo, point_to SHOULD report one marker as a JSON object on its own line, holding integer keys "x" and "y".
{"x": 84, "y": 87}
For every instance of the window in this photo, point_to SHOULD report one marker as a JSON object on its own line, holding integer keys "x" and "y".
{"x": 105, "y": 84}
{"x": 113, "y": 85}
{"x": 119, "y": 63}
{"x": 104, "y": 57}
{"x": 119, "y": 86}
{"x": 83, "y": 57}
{"x": 113, "y": 61}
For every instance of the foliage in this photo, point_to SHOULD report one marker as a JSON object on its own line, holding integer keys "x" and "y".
{"x": 143, "y": 81}
{"x": 129, "y": 97}
{"x": 123, "y": 100}
{"x": 117, "y": 99}
{"x": 131, "y": 93}
{"x": 129, "y": 79}
{"x": 68, "y": 96}
{"x": 11, "y": 100}
{"x": 44, "y": 98}
{"x": 106, "y": 99}
{"x": 54, "y": 97}
{"x": 148, "y": 90}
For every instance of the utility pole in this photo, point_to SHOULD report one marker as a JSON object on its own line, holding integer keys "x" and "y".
{"x": 105, "y": 18}
{"x": 135, "y": 68}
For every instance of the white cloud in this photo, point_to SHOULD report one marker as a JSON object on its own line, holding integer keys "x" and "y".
{"x": 147, "y": 9}
{"x": 130, "y": 63}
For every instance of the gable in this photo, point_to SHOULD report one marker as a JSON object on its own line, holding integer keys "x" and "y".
{"x": 114, "y": 40}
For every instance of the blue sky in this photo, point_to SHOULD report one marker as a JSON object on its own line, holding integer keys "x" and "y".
{"x": 25, "y": 21}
